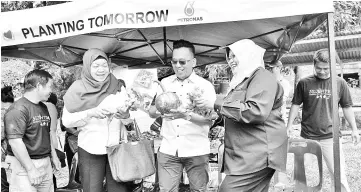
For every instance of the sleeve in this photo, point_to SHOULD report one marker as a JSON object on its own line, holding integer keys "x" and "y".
{"x": 210, "y": 92}
{"x": 15, "y": 121}
{"x": 345, "y": 95}
{"x": 298, "y": 95}
{"x": 76, "y": 119}
{"x": 257, "y": 104}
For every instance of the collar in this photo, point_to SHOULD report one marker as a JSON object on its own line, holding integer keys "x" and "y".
{"x": 191, "y": 78}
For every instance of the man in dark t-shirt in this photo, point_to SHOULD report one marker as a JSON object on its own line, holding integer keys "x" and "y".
{"x": 314, "y": 92}
{"x": 27, "y": 128}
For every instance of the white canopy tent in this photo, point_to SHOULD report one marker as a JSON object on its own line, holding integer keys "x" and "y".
{"x": 139, "y": 33}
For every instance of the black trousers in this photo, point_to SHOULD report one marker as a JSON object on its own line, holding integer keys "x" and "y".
{"x": 4, "y": 182}
{"x": 253, "y": 182}
{"x": 93, "y": 169}
{"x": 69, "y": 158}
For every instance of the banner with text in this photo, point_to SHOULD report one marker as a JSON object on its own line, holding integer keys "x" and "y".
{"x": 81, "y": 17}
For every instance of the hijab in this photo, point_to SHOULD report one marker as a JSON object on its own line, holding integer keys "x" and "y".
{"x": 250, "y": 57}
{"x": 88, "y": 93}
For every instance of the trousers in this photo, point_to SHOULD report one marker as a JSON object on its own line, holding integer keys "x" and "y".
{"x": 19, "y": 180}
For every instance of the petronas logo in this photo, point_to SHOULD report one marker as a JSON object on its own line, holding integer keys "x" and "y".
{"x": 189, "y": 10}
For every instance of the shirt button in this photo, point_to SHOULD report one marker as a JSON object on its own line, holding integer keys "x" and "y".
{"x": 177, "y": 135}
{"x": 177, "y": 125}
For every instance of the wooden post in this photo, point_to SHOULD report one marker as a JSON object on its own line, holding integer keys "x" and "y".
{"x": 335, "y": 119}
{"x": 165, "y": 45}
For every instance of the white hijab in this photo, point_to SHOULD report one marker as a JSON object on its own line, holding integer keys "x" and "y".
{"x": 250, "y": 57}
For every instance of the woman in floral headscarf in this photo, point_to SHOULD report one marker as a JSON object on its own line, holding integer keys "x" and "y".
{"x": 89, "y": 102}
{"x": 255, "y": 142}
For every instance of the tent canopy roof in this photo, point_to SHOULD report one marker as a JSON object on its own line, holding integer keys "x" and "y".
{"x": 274, "y": 26}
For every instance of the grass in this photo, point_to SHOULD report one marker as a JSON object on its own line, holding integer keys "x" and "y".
{"x": 353, "y": 171}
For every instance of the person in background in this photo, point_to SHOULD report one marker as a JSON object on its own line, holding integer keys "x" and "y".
{"x": 281, "y": 179}
{"x": 185, "y": 142}
{"x": 27, "y": 128}
{"x": 255, "y": 140}
{"x": 314, "y": 92}
{"x": 51, "y": 105}
{"x": 7, "y": 99}
{"x": 71, "y": 146}
{"x": 86, "y": 106}
{"x": 275, "y": 69}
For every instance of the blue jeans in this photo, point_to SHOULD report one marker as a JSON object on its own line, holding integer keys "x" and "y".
{"x": 170, "y": 169}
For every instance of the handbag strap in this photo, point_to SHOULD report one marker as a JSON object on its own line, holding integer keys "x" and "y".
{"x": 123, "y": 132}
{"x": 136, "y": 128}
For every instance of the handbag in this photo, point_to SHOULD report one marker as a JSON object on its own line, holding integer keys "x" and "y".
{"x": 131, "y": 160}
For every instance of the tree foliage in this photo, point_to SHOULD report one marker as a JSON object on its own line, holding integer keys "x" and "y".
{"x": 12, "y": 74}
{"x": 347, "y": 17}
{"x": 20, "y": 5}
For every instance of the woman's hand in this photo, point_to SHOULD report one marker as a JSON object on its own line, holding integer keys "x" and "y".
{"x": 123, "y": 111}
{"x": 203, "y": 103}
{"x": 122, "y": 114}
{"x": 98, "y": 113}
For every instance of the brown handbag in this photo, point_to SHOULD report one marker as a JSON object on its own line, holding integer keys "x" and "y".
{"x": 131, "y": 161}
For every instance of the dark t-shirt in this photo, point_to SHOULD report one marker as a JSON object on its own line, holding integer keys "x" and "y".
{"x": 31, "y": 122}
{"x": 315, "y": 94}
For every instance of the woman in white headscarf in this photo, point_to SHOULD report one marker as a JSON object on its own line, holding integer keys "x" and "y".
{"x": 255, "y": 137}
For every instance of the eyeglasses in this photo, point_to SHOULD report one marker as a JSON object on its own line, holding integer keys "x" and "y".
{"x": 269, "y": 68}
{"x": 180, "y": 61}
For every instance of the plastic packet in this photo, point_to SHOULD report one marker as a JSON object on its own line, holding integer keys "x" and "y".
{"x": 143, "y": 89}
{"x": 198, "y": 92}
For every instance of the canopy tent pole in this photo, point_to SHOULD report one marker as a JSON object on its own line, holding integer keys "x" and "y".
{"x": 335, "y": 119}
{"x": 165, "y": 44}
{"x": 151, "y": 46}
{"x": 170, "y": 48}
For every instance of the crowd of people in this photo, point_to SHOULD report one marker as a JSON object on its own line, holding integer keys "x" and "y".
{"x": 253, "y": 112}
